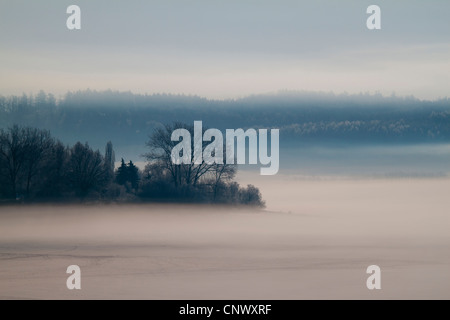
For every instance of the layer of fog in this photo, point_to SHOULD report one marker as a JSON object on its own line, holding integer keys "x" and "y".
{"x": 314, "y": 240}
{"x": 375, "y": 161}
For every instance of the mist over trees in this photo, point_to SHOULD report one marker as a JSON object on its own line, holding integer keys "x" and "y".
{"x": 302, "y": 117}
{"x": 36, "y": 167}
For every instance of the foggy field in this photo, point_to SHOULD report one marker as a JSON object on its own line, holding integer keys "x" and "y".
{"x": 315, "y": 240}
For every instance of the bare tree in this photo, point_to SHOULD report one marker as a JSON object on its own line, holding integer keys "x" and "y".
{"x": 53, "y": 173}
{"x": 23, "y": 153}
{"x": 161, "y": 146}
{"x": 38, "y": 145}
{"x": 190, "y": 174}
{"x": 86, "y": 170}
{"x": 13, "y": 144}
{"x": 221, "y": 173}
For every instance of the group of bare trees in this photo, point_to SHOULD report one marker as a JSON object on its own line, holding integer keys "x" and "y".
{"x": 23, "y": 153}
{"x": 86, "y": 170}
{"x": 195, "y": 181}
{"x": 190, "y": 174}
{"x": 34, "y": 166}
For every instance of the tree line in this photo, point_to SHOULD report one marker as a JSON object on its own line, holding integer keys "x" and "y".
{"x": 34, "y": 166}
{"x": 300, "y": 116}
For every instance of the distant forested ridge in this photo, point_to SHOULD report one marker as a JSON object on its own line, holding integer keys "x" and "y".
{"x": 302, "y": 117}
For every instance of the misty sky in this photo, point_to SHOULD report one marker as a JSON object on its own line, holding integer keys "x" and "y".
{"x": 225, "y": 49}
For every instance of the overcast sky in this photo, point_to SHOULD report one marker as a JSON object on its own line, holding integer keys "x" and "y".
{"x": 226, "y": 48}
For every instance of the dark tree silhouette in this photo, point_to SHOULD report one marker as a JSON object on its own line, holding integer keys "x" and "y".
{"x": 122, "y": 173}
{"x": 110, "y": 156}
{"x": 221, "y": 173}
{"x": 110, "y": 159}
{"x": 23, "y": 154}
{"x": 251, "y": 196}
{"x": 191, "y": 182}
{"x": 86, "y": 170}
{"x": 34, "y": 166}
{"x": 128, "y": 174}
{"x": 133, "y": 175}
{"x": 53, "y": 175}
{"x": 39, "y": 146}
{"x": 182, "y": 174}
{"x": 13, "y": 154}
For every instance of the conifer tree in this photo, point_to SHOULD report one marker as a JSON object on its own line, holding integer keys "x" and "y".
{"x": 133, "y": 175}
{"x": 122, "y": 173}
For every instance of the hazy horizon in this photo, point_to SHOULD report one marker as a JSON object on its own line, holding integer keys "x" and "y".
{"x": 269, "y": 94}
{"x": 226, "y": 49}
{"x": 316, "y": 94}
